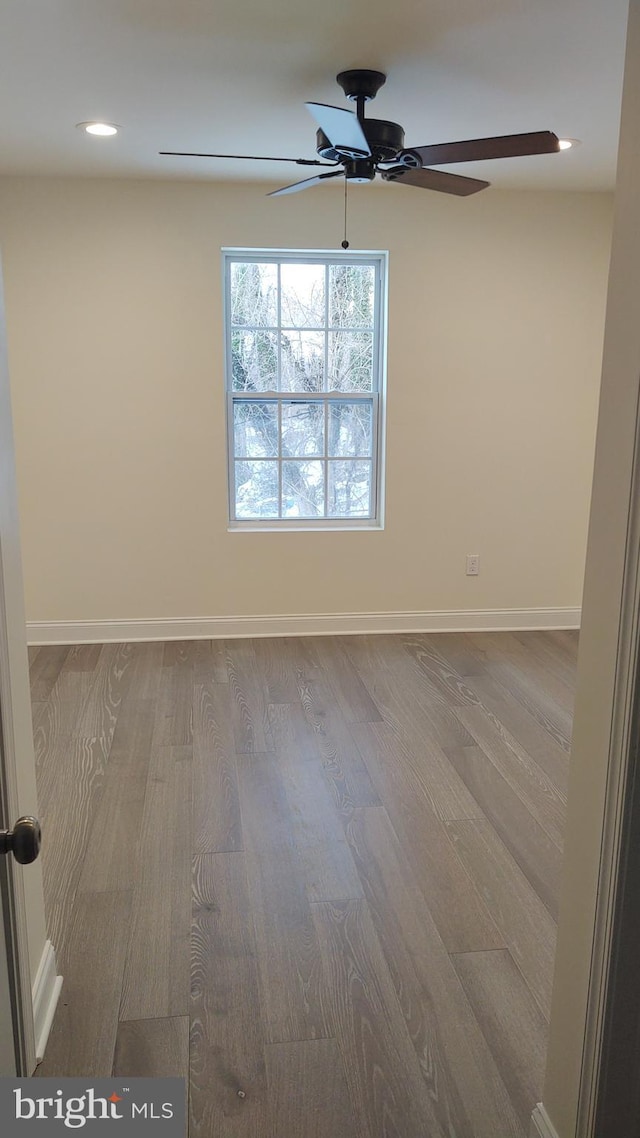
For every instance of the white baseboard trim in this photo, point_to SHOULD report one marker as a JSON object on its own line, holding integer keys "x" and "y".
{"x": 312, "y": 624}
{"x": 541, "y": 1126}
{"x": 46, "y": 991}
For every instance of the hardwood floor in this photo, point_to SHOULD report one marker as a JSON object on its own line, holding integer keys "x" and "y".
{"x": 316, "y": 877}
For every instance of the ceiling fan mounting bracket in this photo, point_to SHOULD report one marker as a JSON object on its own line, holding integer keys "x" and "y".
{"x": 361, "y": 84}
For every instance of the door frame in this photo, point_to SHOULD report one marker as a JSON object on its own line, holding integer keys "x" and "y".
{"x": 608, "y": 1098}
{"x": 592, "y": 961}
{"x": 12, "y": 900}
{"x": 608, "y": 1070}
{"x": 13, "y": 908}
{"x": 613, "y": 1104}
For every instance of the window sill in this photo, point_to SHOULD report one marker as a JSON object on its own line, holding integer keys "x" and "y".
{"x": 293, "y": 527}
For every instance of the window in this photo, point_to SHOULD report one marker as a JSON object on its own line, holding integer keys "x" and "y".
{"x": 303, "y": 369}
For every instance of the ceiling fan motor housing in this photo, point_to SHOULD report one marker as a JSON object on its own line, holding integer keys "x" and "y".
{"x": 386, "y": 142}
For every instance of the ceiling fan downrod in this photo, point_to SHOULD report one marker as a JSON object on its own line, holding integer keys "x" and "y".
{"x": 361, "y": 85}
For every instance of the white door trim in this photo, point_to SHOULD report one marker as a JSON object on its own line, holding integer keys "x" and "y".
{"x": 617, "y": 771}
{"x": 15, "y": 916}
{"x": 46, "y": 992}
{"x": 541, "y": 1126}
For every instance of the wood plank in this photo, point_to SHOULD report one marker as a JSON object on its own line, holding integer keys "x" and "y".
{"x": 445, "y": 679}
{"x": 145, "y": 671}
{"x": 156, "y": 975}
{"x": 367, "y": 652}
{"x": 532, "y": 785}
{"x": 303, "y": 652}
{"x": 423, "y": 767}
{"x": 45, "y": 666}
{"x": 528, "y": 930}
{"x": 153, "y": 1048}
{"x": 83, "y": 1035}
{"x": 249, "y": 707}
{"x": 60, "y": 718}
{"x": 77, "y": 772}
{"x": 175, "y": 698}
{"x": 100, "y": 709}
{"x": 385, "y": 1082}
{"x": 465, "y": 924}
{"x": 346, "y": 773}
{"x": 277, "y": 666}
{"x": 458, "y": 654}
{"x": 511, "y": 1021}
{"x": 228, "y": 1082}
{"x": 539, "y": 647}
{"x": 210, "y": 662}
{"x": 349, "y": 692}
{"x": 466, "y": 1089}
{"x": 556, "y": 721}
{"x": 291, "y": 978}
{"x": 482, "y": 690}
{"x": 116, "y": 824}
{"x": 567, "y": 641}
{"x": 217, "y": 825}
{"x": 537, "y": 856}
{"x": 541, "y": 746}
{"x": 407, "y": 699}
{"x": 178, "y": 652}
{"x": 325, "y": 859}
{"x": 508, "y": 662}
{"x": 83, "y": 704}
{"x": 37, "y": 711}
{"x": 307, "y": 1091}
{"x": 84, "y": 657}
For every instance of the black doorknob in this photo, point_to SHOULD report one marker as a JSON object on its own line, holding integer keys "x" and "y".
{"x": 23, "y": 841}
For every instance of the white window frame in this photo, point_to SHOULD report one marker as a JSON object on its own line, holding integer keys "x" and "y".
{"x": 376, "y": 397}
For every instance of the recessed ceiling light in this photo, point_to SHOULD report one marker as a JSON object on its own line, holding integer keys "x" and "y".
{"x": 102, "y": 128}
{"x": 568, "y": 143}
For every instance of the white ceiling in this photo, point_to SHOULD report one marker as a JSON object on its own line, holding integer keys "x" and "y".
{"x": 233, "y": 75}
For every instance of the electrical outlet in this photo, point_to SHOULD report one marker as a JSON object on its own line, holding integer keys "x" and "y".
{"x": 473, "y": 564}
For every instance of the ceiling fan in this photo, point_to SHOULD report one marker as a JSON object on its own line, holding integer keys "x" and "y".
{"x": 363, "y": 147}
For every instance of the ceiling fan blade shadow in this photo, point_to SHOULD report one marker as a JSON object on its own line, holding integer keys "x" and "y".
{"x": 249, "y": 157}
{"x": 439, "y": 180}
{"x": 482, "y": 149}
{"x": 342, "y": 128}
{"x": 305, "y": 184}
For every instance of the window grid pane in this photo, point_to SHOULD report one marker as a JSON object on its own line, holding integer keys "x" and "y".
{"x": 256, "y": 489}
{"x": 349, "y": 488}
{"x": 313, "y": 338}
{"x": 303, "y": 459}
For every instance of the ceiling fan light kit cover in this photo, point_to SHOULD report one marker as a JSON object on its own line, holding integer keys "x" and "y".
{"x": 357, "y": 148}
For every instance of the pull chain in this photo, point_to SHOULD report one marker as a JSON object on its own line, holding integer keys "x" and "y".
{"x": 345, "y": 243}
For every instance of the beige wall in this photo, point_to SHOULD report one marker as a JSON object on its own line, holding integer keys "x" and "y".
{"x": 496, "y": 308}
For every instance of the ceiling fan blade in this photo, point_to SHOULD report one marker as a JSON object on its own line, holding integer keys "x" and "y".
{"x": 306, "y": 184}
{"x": 250, "y": 157}
{"x": 342, "y": 128}
{"x": 481, "y": 149}
{"x": 435, "y": 180}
